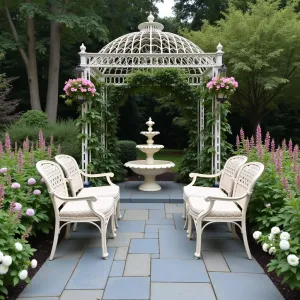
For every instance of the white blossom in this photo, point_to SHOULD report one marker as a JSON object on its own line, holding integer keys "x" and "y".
{"x": 265, "y": 247}
{"x": 285, "y": 236}
{"x": 275, "y": 230}
{"x": 272, "y": 250}
{"x": 18, "y": 246}
{"x": 23, "y": 274}
{"x": 271, "y": 236}
{"x": 7, "y": 260}
{"x": 3, "y": 269}
{"x": 1, "y": 256}
{"x": 284, "y": 245}
{"x": 33, "y": 263}
{"x": 257, "y": 235}
{"x": 293, "y": 260}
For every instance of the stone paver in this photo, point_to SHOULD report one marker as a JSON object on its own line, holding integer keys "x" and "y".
{"x": 137, "y": 265}
{"x": 246, "y": 286}
{"x": 178, "y": 270}
{"x": 214, "y": 261}
{"x": 144, "y": 246}
{"x": 127, "y": 288}
{"x": 121, "y": 253}
{"x": 81, "y": 294}
{"x": 151, "y": 253}
{"x": 182, "y": 291}
{"x": 141, "y": 214}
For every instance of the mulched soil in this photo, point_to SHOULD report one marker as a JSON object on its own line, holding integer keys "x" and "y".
{"x": 43, "y": 244}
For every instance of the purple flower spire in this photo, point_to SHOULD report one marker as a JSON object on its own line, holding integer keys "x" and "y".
{"x": 20, "y": 161}
{"x": 238, "y": 142}
{"x": 290, "y": 147}
{"x": 279, "y": 160}
{"x": 242, "y": 135}
{"x": 273, "y": 145}
{"x": 2, "y": 192}
{"x": 247, "y": 146}
{"x": 26, "y": 144}
{"x": 258, "y": 135}
{"x": 298, "y": 181}
{"x": 49, "y": 152}
{"x": 252, "y": 142}
{"x": 1, "y": 149}
{"x": 42, "y": 142}
{"x": 7, "y": 143}
{"x": 259, "y": 150}
{"x": 284, "y": 147}
{"x": 16, "y": 147}
{"x": 285, "y": 185}
{"x": 267, "y": 141}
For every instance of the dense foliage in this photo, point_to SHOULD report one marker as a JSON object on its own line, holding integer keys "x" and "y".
{"x": 127, "y": 151}
{"x": 33, "y": 118}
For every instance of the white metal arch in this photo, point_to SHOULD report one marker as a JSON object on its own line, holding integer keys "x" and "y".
{"x": 149, "y": 48}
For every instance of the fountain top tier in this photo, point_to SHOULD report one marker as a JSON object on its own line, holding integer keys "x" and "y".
{"x": 150, "y": 134}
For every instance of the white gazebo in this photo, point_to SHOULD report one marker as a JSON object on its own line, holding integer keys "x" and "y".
{"x": 150, "y": 48}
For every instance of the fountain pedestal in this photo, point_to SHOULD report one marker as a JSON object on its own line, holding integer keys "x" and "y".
{"x": 150, "y": 167}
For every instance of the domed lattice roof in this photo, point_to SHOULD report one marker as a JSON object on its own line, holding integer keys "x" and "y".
{"x": 151, "y": 39}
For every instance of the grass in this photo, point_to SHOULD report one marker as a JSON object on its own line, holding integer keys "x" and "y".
{"x": 173, "y": 155}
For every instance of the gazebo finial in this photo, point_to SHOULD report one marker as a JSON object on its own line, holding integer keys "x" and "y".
{"x": 150, "y": 17}
{"x": 219, "y": 48}
{"x": 82, "y": 48}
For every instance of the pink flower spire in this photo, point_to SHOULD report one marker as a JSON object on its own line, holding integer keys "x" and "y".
{"x": 273, "y": 146}
{"x": 1, "y": 194}
{"x": 267, "y": 141}
{"x": 9, "y": 180}
{"x": 279, "y": 160}
{"x": 49, "y": 152}
{"x": 285, "y": 184}
{"x": 26, "y": 144}
{"x": 238, "y": 142}
{"x": 16, "y": 147}
{"x": 42, "y": 142}
{"x": 252, "y": 142}
{"x": 297, "y": 179}
{"x": 51, "y": 140}
{"x": 7, "y": 143}
{"x": 295, "y": 155}
{"x": 242, "y": 135}
{"x": 32, "y": 157}
{"x": 20, "y": 161}
{"x": 290, "y": 147}
{"x": 247, "y": 146}
{"x": 259, "y": 150}
{"x": 284, "y": 145}
{"x": 258, "y": 134}
{"x": 58, "y": 149}
{"x": 1, "y": 149}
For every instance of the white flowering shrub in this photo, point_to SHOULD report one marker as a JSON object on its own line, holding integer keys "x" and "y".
{"x": 285, "y": 251}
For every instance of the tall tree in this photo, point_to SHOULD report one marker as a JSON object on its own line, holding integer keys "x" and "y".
{"x": 261, "y": 50}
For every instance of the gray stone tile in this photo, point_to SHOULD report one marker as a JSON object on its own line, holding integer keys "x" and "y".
{"x": 215, "y": 261}
{"x": 182, "y": 291}
{"x": 151, "y": 235}
{"x": 157, "y": 214}
{"x": 154, "y": 255}
{"x": 131, "y": 226}
{"x": 137, "y": 265}
{"x": 144, "y": 246}
{"x": 172, "y": 208}
{"x": 161, "y": 200}
{"x": 39, "y": 298}
{"x": 155, "y": 228}
{"x": 127, "y": 288}
{"x": 81, "y": 294}
{"x": 150, "y": 196}
{"x": 239, "y": 262}
{"x": 169, "y": 216}
{"x": 121, "y": 253}
{"x": 85, "y": 231}
{"x": 174, "y": 244}
{"x": 121, "y": 240}
{"x": 222, "y": 245}
{"x": 160, "y": 222}
{"x": 92, "y": 270}
{"x": 179, "y": 221}
{"x": 50, "y": 279}
{"x": 178, "y": 270}
{"x": 142, "y": 206}
{"x": 131, "y": 214}
{"x": 246, "y": 286}
{"x": 117, "y": 269}
{"x": 71, "y": 248}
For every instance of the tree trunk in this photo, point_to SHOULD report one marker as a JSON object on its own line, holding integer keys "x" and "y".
{"x": 32, "y": 67}
{"x": 53, "y": 72}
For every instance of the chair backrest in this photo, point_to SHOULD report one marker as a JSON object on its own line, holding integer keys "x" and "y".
{"x": 54, "y": 179}
{"x": 230, "y": 171}
{"x": 72, "y": 172}
{"x": 245, "y": 182}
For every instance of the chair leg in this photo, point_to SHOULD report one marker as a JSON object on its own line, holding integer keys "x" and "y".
{"x": 67, "y": 235}
{"x": 112, "y": 227}
{"x": 116, "y": 218}
{"x": 229, "y": 227}
{"x": 234, "y": 235}
{"x": 74, "y": 226}
{"x": 245, "y": 239}
{"x": 190, "y": 226}
{"x": 103, "y": 239}
{"x": 119, "y": 216}
{"x": 184, "y": 210}
{"x": 56, "y": 234}
{"x": 198, "y": 240}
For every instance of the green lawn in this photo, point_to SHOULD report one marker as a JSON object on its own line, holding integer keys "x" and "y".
{"x": 172, "y": 155}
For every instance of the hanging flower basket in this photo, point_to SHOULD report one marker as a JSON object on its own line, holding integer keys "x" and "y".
{"x": 79, "y": 90}
{"x": 222, "y": 88}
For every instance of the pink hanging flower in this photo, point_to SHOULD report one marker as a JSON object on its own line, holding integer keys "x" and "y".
{"x": 30, "y": 212}
{"x": 258, "y": 134}
{"x": 242, "y": 135}
{"x": 20, "y": 161}
{"x": 267, "y": 141}
{"x": 7, "y": 143}
{"x": 237, "y": 142}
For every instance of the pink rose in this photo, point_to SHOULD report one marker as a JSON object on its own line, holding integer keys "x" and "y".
{"x": 31, "y": 181}
{"x": 222, "y": 84}
{"x": 227, "y": 87}
{"x": 30, "y": 212}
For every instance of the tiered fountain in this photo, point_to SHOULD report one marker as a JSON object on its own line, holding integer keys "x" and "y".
{"x": 150, "y": 168}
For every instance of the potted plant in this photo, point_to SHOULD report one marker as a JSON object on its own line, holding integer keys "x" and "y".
{"x": 80, "y": 90}
{"x": 222, "y": 88}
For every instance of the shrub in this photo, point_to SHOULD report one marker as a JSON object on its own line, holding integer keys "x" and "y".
{"x": 127, "y": 151}
{"x": 34, "y": 118}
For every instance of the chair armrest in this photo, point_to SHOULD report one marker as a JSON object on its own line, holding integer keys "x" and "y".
{"x": 82, "y": 198}
{"x": 107, "y": 175}
{"x": 195, "y": 175}
{"x": 215, "y": 198}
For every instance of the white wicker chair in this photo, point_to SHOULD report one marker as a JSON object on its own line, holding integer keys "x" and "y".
{"x": 233, "y": 209}
{"x": 228, "y": 175}
{"x": 67, "y": 209}
{"x": 74, "y": 177}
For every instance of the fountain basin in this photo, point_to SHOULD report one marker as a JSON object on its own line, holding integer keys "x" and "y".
{"x": 149, "y": 150}
{"x": 149, "y": 172}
